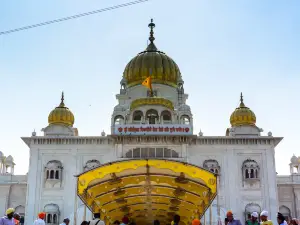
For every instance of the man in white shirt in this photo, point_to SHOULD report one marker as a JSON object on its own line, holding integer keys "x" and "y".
{"x": 40, "y": 219}
{"x": 97, "y": 220}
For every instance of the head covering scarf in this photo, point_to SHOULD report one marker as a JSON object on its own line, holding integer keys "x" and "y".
{"x": 254, "y": 214}
{"x": 196, "y": 222}
{"x": 229, "y": 213}
{"x": 41, "y": 215}
{"x": 10, "y": 211}
{"x": 264, "y": 213}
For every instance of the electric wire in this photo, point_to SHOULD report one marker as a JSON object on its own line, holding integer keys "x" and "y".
{"x": 73, "y": 17}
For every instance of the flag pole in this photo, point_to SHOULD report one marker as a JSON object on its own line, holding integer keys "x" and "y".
{"x": 150, "y": 86}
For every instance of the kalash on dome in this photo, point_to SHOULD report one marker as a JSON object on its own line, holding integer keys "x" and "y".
{"x": 151, "y": 166}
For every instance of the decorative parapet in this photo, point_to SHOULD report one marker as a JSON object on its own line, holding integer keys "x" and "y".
{"x": 152, "y": 101}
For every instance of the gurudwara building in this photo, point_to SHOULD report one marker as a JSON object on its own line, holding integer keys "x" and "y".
{"x": 155, "y": 124}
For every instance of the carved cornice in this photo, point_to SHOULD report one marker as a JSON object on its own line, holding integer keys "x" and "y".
{"x": 118, "y": 139}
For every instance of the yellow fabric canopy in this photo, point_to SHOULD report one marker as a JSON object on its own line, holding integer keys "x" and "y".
{"x": 147, "y": 190}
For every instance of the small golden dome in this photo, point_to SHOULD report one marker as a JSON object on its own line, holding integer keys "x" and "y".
{"x": 154, "y": 63}
{"x": 242, "y": 115}
{"x": 61, "y": 115}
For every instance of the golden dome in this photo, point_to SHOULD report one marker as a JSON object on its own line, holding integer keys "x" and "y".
{"x": 242, "y": 115}
{"x": 61, "y": 115}
{"x": 161, "y": 67}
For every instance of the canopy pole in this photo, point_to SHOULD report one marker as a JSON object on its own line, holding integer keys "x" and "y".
{"x": 218, "y": 199}
{"x": 210, "y": 215}
{"x": 75, "y": 208}
{"x": 84, "y": 213}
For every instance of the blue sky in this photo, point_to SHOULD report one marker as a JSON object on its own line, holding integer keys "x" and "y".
{"x": 222, "y": 48}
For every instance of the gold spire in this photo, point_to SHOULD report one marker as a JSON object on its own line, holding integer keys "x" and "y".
{"x": 62, "y": 104}
{"x": 61, "y": 115}
{"x": 151, "y": 47}
{"x": 242, "y": 115}
{"x": 242, "y": 101}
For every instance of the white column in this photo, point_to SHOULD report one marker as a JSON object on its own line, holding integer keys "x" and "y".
{"x": 270, "y": 183}
{"x": 119, "y": 150}
{"x": 31, "y": 201}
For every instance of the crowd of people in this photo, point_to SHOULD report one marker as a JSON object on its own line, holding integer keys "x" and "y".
{"x": 12, "y": 218}
{"x": 255, "y": 219}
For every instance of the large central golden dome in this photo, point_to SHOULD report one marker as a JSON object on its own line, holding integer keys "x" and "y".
{"x": 161, "y": 67}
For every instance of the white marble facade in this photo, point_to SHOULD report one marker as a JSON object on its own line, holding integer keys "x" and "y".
{"x": 243, "y": 157}
{"x": 57, "y": 196}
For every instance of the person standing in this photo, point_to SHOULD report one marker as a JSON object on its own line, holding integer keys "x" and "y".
{"x": 231, "y": 220}
{"x": 196, "y": 222}
{"x": 125, "y": 220}
{"x": 8, "y": 219}
{"x": 66, "y": 221}
{"x": 264, "y": 218}
{"x": 97, "y": 220}
{"x": 280, "y": 219}
{"x": 16, "y": 218}
{"x": 253, "y": 220}
{"x": 40, "y": 219}
{"x": 176, "y": 219}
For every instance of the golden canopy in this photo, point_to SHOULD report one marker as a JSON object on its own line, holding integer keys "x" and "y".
{"x": 61, "y": 114}
{"x": 147, "y": 189}
{"x": 242, "y": 115}
{"x": 154, "y": 63}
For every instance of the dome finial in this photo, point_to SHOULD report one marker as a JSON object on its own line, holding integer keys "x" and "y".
{"x": 151, "y": 26}
{"x": 242, "y": 100}
{"x": 151, "y": 47}
{"x": 62, "y": 104}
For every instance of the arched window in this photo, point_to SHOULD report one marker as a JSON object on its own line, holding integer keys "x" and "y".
{"x": 151, "y": 153}
{"x": 166, "y": 117}
{"x": 53, "y": 173}
{"x": 211, "y": 165}
{"x": 137, "y": 117}
{"x": 20, "y": 210}
{"x": 285, "y": 211}
{"x": 152, "y": 116}
{"x": 250, "y": 208}
{"x": 119, "y": 120}
{"x": 185, "y": 119}
{"x": 52, "y": 214}
{"x": 250, "y": 169}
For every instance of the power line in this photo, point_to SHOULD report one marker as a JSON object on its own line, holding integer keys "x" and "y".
{"x": 73, "y": 17}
